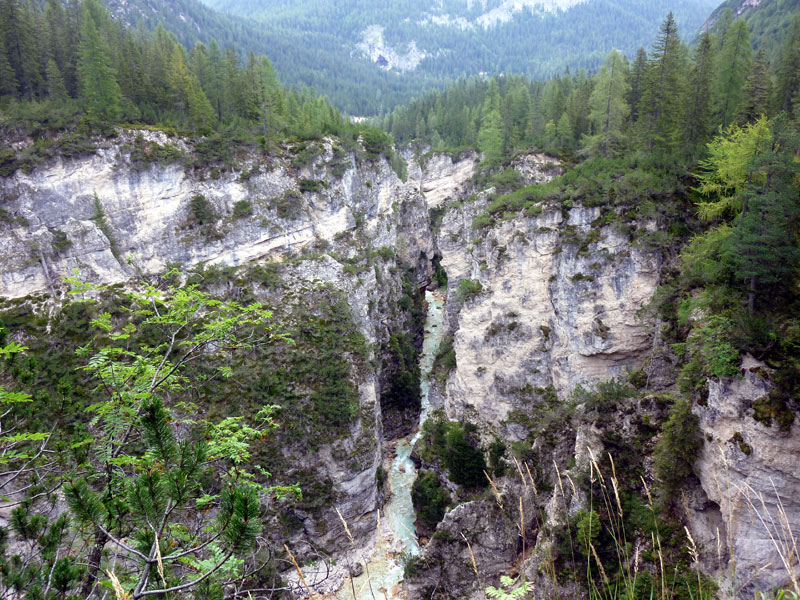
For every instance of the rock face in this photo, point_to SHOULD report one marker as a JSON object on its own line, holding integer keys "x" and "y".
{"x": 751, "y": 475}
{"x": 441, "y": 178}
{"x": 150, "y": 220}
{"x": 554, "y": 310}
{"x": 110, "y": 221}
{"x": 538, "y": 302}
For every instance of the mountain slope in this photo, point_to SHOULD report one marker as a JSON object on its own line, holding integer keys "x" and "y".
{"x": 769, "y": 21}
{"x": 421, "y": 42}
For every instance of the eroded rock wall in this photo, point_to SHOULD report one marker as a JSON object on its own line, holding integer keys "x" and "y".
{"x": 342, "y": 222}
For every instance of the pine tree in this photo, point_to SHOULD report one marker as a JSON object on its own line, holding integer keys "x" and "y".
{"x": 762, "y": 248}
{"x": 733, "y": 67}
{"x": 662, "y": 97}
{"x": 757, "y": 90}
{"x": 100, "y": 91}
{"x": 608, "y": 108}
{"x": 699, "y": 111}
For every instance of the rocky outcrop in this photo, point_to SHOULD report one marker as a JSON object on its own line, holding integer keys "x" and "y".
{"x": 340, "y": 222}
{"x": 750, "y": 475}
{"x": 557, "y": 307}
{"x": 440, "y": 177}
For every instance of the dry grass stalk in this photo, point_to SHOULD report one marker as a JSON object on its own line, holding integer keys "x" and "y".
{"x": 560, "y": 486}
{"x": 346, "y": 528}
{"x": 119, "y": 591}
{"x": 471, "y": 556}
{"x": 159, "y": 562}
{"x": 519, "y": 469}
{"x": 614, "y": 484}
{"x": 522, "y": 526}
{"x": 599, "y": 564}
{"x": 494, "y": 489}
{"x": 533, "y": 483}
{"x": 781, "y": 534}
{"x": 692, "y": 546}
{"x": 297, "y": 568}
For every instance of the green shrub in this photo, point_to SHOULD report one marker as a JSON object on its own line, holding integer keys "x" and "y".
{"x": 430, "y": 498}
{"x": 637, "y": 379}
{"x": 464, "y": 459}
{"x": 768, "y": 408}
{"x": 445, "y": 360}
{"x": 677, "y": 449}
{"x": 242, "y": 208}
{"x": 145, "y": 153}
{"x": 468, "y": 289}
{"x": 311, "y": 185}
{"x": 201, "y": 211}
{"x": 288, "y": 205}
{"x": 8, "y": 162}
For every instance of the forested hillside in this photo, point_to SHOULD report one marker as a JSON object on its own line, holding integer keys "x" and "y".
{"x": 422, "y": 43}
{"x": 91, "y": 71}
{"x": 663, "y": 101}
{"x": 769, "y": 21}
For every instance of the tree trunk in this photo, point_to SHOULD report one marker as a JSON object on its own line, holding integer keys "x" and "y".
{"x": 94, "y": 558}
{"x": 751, "y": 296}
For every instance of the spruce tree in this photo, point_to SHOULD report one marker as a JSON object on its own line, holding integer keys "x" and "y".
{"x": 662, "y": 98}
{"x": 8, "y": 78}
{"x": 55, "y": 82}
{"x": 100, "y": 91}
{"x": 788, "y": 77}
{"x": 608, "y": 108}
{"x": 699, "y": 111}
{"x": 637, "y": 78}
{"x": 757, "y": 90}
{"x": 733, "y": 67}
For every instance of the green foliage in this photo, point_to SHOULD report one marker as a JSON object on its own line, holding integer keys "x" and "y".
{"x": 101, "y": 220}
{"x": 146, "y": 153}
{"x": 201, "y": 212}
{"x": 587, "y": 530}
{"x": 242, "y": 209}
{"x": 455, "y": 445}
{"x": 468, "y": 289}
{"x": 510, "y": 591}
{"x": 445, "y": 360}
{"x": 677, "y": 449}
{"x": 609, "y": 109}
{"x": 430, "y": 499}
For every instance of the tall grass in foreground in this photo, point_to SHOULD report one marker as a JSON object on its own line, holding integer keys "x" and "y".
{"x": 643, "y": 566}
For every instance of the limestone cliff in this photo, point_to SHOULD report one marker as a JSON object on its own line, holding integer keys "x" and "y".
{"x": 341, "y": 221}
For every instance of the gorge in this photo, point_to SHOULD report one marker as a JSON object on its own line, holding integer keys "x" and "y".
{"x": 538, "y": 303}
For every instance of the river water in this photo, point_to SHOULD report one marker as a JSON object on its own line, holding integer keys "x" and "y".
{"x": 385, "y": 570}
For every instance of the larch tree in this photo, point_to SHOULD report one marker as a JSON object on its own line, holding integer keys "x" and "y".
{"x": 55, "y": 82}
{"x": 490, "y": 134}
{"x": 609, "y": 110}
{"x": 100, "y": 91}
{"x": 733, "y": 68}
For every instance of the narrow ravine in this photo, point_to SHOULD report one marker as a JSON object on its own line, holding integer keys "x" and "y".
{"x": 386, "y": 567}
